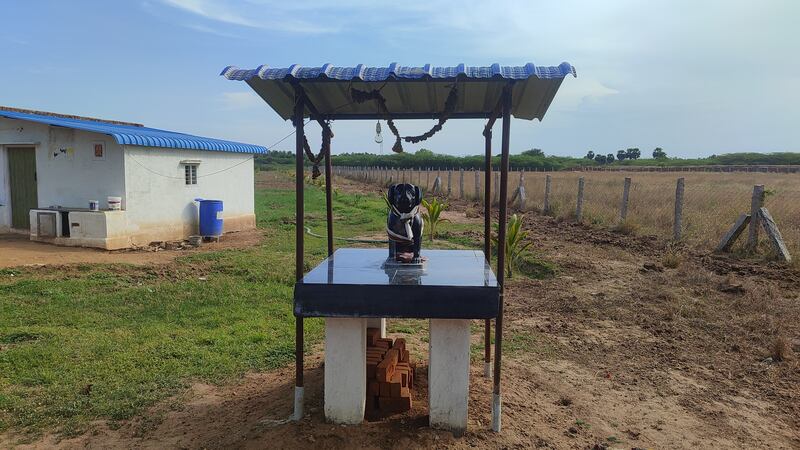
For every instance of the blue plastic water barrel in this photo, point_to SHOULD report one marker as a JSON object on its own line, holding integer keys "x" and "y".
{"x": 210, "y": 223}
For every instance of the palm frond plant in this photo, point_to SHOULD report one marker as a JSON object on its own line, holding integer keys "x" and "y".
{"x": 433, "y": 215}
{"x": 515, "y": 244}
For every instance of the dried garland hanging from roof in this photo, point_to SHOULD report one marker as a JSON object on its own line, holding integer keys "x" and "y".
{"x": 325, "y": 148}
{"x": 359, "y": 96}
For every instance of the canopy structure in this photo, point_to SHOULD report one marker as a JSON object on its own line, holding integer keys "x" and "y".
{"x": 328, "y": 93}
{"x": 410, "y": 92}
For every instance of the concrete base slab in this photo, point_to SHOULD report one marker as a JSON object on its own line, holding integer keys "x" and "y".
{"x": 379, "y": 324}
{"x": 298, "y": 403}
{"x": 345, "y": 370}
{"x": 448, "y": 374}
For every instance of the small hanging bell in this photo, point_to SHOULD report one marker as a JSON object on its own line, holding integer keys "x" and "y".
{"x": 378, "y": 137}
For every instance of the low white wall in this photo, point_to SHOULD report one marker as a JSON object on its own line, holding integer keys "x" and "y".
{"x": 161, "y": 206}
{"x": 5, "y": 193}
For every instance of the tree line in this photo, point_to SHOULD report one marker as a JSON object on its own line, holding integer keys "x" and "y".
{"x": 533, "y": 159}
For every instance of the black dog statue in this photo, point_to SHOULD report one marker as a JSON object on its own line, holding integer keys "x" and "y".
{"x": 404, "y": 224}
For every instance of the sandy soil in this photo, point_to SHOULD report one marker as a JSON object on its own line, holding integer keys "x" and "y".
{"x": 18, "y": 250}
{"x": 622, "y": 352}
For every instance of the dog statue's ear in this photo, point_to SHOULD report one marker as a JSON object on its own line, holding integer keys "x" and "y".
{"x": 390, "y": 194}
{"x": 418, "y": 192}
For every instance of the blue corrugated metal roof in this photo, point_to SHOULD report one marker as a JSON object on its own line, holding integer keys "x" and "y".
{"x": 409, "y": 92}
{"x": 136, "y": 135}
{"x": 364, "y": 73}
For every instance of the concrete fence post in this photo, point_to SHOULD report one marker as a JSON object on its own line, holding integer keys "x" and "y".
{"x": 548, "y": 181}
{"x": 677, "y": 224}
{"x": 756, "y": 202}
{"x": 449, "y": 181}
{"x": 427, "y": 178}
{"x": 496, "y": 193}
{"x": 461, "y": 183}
{"x": 521, "y": 190}
{"x": 579, "y": 204}
{"x": 626, "y": 191}
{"x": 478, "y": 185}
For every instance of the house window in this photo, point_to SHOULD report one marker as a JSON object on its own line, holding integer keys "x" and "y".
{"x": 99, "y": 151}
{"x": 190, "y": 174}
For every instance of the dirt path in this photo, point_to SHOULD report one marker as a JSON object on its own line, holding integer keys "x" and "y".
{"x": 18, "y": 250}
{"x": 616, "y": 351}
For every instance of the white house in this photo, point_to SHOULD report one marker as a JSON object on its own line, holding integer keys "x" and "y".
{"x": 53, "y": 165}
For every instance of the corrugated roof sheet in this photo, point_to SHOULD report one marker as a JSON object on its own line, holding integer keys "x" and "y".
{"x": 410, "y": 92}
{"x": 137, "y": 135}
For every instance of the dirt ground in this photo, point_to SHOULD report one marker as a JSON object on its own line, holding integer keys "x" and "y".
{"x": 620, "y": 352}
{"x": 18, "y": 250}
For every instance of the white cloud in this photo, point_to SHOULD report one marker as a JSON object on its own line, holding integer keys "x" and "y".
{"x": 252, "y": 17}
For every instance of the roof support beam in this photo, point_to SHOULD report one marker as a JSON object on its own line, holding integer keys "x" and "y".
{"x": 299, "y": 247}
{"x": 501, "y": 257}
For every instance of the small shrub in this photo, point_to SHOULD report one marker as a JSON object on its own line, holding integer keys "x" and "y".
{"x": 432, "y": 215}
{"x": 781, "y": 351}
{"x": 672, "y": 258}
{"x": 627, "y": 227}
{"x": 515, "y": 244}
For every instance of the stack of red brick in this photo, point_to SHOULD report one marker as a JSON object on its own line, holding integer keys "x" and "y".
{"x": 390, "y": 375}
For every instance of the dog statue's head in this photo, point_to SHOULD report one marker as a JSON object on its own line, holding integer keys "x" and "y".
{"x": 404, "y": 197}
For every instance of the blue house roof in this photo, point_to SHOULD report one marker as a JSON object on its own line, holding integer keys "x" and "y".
{"x": 132, "y": 134}
{"x": 410, "y": 92}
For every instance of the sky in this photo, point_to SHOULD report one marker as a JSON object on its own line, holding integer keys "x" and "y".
{"x": 693, "y": 77}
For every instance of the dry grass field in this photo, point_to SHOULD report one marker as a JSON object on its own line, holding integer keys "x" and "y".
{"x": 712, "y": 200}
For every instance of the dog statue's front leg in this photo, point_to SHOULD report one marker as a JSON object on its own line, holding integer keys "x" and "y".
{"x": 417, "y": 228}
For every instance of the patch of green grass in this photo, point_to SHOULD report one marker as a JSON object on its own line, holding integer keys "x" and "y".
{"x": 533, "y": 266}
{"x": 517, "y": 343}
{"x": 107, "y": 341}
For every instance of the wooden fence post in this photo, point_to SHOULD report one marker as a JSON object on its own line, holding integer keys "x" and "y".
{"x": 461, "y": 183}
{"x": 756, "y": 202}
{"x": 521, "y": 190}
{"x": 579, "y": 206}
{"x": 677, "y": 224}
{"x": 626, "y": 190}
{"x": 547, "y": 185}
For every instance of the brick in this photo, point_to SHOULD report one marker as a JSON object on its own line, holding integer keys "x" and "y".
{"x": 385, "y": 389}
{"x": 385, "y": 368}
{"x": 388, "y": 342}
{"x": 373, "y": 388}
{"x": 395, "y": 385}
{"x": 405, "y": 356}
{"x": 394, "y": 404}
{"x": 373, "y": 334}
{"x": 400, "y": 344}
{"x": 405, "y": 392}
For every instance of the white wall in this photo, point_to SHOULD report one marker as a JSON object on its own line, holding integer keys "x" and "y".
{"x": 67, "y": 172}
{"x": 161, "y": 206}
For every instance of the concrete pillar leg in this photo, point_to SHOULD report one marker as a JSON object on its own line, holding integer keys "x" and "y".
{"x": 448, "y": 374}
{"x": 379, "y": 324}
{"x": 345, "y": 370}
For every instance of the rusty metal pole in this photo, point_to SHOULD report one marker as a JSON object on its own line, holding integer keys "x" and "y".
{"x": 487, "y": 246}
{"x": 299, "y": 109}
{"x": 501, "y": 259}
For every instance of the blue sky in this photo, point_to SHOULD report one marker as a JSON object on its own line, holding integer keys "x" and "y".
{"x": 693, "y": 77}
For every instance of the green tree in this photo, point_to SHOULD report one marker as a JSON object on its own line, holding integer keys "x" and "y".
{"x": 622, "y": 155}
{"x": 610, "y": 158}
{"x": 633, "y": 153}
{"x": 533, "y": 152}
{"x": 600, "y": 159}
{"x": 589, "y": 155}
{"x": 659, "y": 153}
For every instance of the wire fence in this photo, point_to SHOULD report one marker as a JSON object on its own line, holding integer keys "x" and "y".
{"x": 710, "y": 204}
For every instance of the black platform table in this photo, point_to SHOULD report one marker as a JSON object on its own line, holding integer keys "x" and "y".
{"x": 453, "y": 284}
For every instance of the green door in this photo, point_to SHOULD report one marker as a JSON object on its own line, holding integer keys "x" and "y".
{"x": 22, "y": 175}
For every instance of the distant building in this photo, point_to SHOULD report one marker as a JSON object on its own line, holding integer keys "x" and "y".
{"x": 53, "y": 165}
